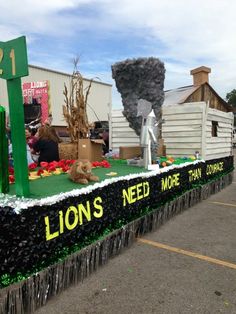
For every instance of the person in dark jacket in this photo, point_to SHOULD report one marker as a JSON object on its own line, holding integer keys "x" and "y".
{"x": 47, "y": 144}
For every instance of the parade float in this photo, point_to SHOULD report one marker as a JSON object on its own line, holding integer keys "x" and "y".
{"x": 55, "y": 232}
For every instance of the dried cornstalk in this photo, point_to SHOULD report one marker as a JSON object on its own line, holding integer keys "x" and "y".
{"x": 75, "y": 107}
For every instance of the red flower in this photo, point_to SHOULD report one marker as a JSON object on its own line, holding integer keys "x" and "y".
{"x": 11, "y": 170}
{"x": 32, "y": 166}
{"x": 43, "y": 164}
{"x": 52, "y": 168}
{"x": 69, "y": 161}
{"x": 61, "y": 163}
{"x": 96, "y": 164}
{"x": 65, "y": 168}
{"x": 105, "y": 164}
{"x": 11, "y": 179}
{"x": 40, "y": 171}
{"x": 53, "y": 164}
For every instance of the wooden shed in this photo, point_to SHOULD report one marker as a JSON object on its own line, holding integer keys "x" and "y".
{"x": 201, "y": 90}
{"x": 192, "y": 127}
{"x": 197, "y": 119}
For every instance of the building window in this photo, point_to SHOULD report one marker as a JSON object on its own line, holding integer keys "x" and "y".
{"x": 214, "y": 126}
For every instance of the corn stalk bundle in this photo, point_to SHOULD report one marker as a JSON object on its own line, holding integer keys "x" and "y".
{"x": 75, "y": 107}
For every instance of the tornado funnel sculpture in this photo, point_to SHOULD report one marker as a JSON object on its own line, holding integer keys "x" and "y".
{"x": 139, "y": 80}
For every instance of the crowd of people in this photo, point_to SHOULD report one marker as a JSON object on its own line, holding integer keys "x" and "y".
{"x": 44, "y": 144}
{"x": 41, "y": 144}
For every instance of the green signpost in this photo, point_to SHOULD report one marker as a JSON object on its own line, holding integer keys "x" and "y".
{"x": 14, "y": 65}
{"x": 4, "y": 181}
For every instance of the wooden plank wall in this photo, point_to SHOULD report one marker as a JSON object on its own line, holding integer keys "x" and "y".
{"x": 182, "y": 130}
{"x": 221, "y": 145}
{"x": 121, "y": 132}
{"x": 187, "y": 129}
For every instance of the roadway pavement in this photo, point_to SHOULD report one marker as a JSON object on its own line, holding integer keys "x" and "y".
{"x": 187, "y": 266}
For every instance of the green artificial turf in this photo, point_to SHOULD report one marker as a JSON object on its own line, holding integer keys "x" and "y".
{"x": 55, "y": 184}
{"x": 177, "y": 161}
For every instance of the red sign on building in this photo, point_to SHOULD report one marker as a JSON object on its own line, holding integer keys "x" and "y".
{"x": 37, "y": 92}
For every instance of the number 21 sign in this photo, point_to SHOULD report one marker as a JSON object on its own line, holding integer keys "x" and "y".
{"x": 13, "y": 59}
{"x": 14, "y": 65}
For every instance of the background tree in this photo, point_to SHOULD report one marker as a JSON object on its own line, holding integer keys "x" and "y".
{"x": 231, "y": 99}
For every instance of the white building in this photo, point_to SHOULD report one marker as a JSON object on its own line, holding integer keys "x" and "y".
{"x": 99, "y": 100}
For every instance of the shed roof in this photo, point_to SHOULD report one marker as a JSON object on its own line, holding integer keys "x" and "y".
{"x": 178, "y": 95}
{"x": 181, "y": 94}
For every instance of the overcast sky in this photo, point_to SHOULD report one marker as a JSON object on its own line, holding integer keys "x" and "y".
{"x": 184, "y": 34}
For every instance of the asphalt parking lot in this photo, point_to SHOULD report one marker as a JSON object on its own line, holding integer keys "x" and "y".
{"x": 187, "y": 266}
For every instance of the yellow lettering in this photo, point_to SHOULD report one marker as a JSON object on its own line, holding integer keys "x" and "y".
{"x": 199, "y": 171}
{"x": 195, "y": 174}
{"x": 49, "y": 235}
{"x": 61, "y": 221}
{"x": 85, "y": 211}
{"x": 71, "y": 226}
{"x": 139, "y": 191}
{"x": 97, "y": 206}
{"x": 74, "y": 216}
{"x": 169, "y": 182}
{"x": 190, "y": 175}
{"x": 177, "y": 183}
{"x": 125, "y": 197}
{"x": 146, "y": 189}
{"x": 13, "y": 61}
{"x": 164, "y": 184}
{"x": 132, "y": 193}
{"x": 213, "y": 168}
{"x": 135, "y": 193}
